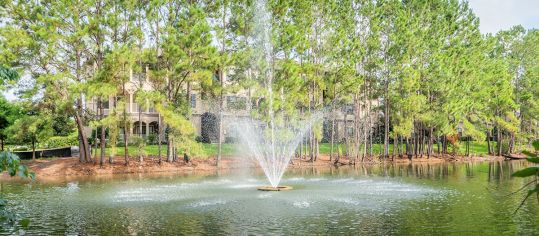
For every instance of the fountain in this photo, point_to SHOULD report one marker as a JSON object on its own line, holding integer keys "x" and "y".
{"x": 271, "y": 143}
{"x": 272, "y": 146}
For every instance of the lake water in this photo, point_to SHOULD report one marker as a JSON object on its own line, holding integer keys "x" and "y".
{"x": 418, "y": 199}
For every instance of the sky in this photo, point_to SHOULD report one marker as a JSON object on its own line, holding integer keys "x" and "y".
{"x": 496, "y": 15}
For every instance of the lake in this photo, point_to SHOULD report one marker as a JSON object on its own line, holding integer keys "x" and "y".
{"x": 378, "y": 199}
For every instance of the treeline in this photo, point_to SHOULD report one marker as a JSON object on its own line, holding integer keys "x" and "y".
{"x": 420, "y": 70}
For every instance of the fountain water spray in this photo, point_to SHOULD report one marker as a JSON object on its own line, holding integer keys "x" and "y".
{"x": 273, "y": 146}
{"x": 271, "y": 143}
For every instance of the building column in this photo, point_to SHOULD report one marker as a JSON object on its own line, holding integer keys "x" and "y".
{"x": 147, "y": 129}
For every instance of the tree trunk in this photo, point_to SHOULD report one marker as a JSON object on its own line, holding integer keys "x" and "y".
{"x": 444, "y": 145}
{"x": 438, "y": 145}
{"x": 417, "y": 141}
{"x": 386, "y": 120}
{"x": 332, "y": 126}
{"x": 429, "y": 148}
{"x": 102, "y": 140}
{"x": 159, "y": 128}
{"x": 33, "y": 149}
{"x": 82, "y": 158}
{"x": 316, "y": 150}
{"x": 422, "y": 147}
{"x": 159, "y": 140}
{"x": 96, "y": 135}
{"x": 488, "y": 142}
{"x": 408, "y": 148}
{"x": 511, "y": 143}
{"x": 367, "y": 126}
{"x": 400, "y": 147}
{"x": 170, "y": 149}
{"x": 467, "y": 147}
{"x": 311, "y": 146}
{"x": 395, "y": 145}
{"x": 84, "y": 148}
{"x": 221, "y": 105}
{"x": 358, "y": 129}
{"x": 140, "y": 157}
{"x": 499, "y": 141}
{"x": 126, "y": 144}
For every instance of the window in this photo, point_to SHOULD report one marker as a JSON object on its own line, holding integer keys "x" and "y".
{"x": 117, "y": 99}
{"x": 348, "y": 109}
{"x": 154, "y": 127}
{"x": 138, "y": 127}
{"x": 105, "y": 103}
{"x": 216, "y": 76}
{"x": 236, "y": 103}
{"x": 151, "y": 109}
{"x": 193, "y": 101}
{"x": 350, "y": 131}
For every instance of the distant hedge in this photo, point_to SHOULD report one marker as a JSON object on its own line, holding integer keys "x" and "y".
{"x": 62, "y": 141}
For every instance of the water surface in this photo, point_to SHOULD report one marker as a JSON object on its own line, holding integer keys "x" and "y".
{"x": 419, "y": 199}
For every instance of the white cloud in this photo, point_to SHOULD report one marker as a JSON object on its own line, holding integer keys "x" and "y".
{"x": 496, "y": 15}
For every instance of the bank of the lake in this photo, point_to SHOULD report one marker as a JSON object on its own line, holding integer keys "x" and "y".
{"x": 58, "y": 167}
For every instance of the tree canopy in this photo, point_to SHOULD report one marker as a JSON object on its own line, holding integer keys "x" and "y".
{"x": 418, "y": 73}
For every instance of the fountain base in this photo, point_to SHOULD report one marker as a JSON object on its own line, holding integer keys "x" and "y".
{"x": 278, "y": 188}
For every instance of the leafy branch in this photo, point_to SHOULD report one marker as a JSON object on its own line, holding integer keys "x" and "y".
{"x": 529, "y": 172}
{"x": 11, "y": 164}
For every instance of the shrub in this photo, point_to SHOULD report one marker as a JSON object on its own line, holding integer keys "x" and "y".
{"x": 140, "y": 143}
{"x": 152, "y": 139}
{"x": 62, "y": 141}
{"x": 20, "y": 148}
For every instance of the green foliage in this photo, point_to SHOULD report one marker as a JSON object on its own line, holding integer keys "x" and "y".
{"x": 140, "y": 144}
{"x": 535, "y": 144}
{"x": 152, "y": 139}
{"x": 181, "y": 131}
{"x": 62, "y": 141}
{"x": 62, "y": 125}
{"x": 7, "y": 75}
{"x": 30, "y": 129}
{"x": 8, "y": 114}
{"x": 10, "y": 163}
{"x": 422, "y": 64}
{"x": 529, "y": 172}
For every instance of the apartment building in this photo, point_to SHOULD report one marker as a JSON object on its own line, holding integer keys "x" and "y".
{"x": 205, "y": 114}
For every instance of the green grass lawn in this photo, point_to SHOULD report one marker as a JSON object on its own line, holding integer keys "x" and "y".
{"x": 210, "y": 150}
{"x": 476, "y": 148}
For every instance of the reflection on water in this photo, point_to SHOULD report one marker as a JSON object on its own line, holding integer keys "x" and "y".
{"x": 422, "y": 198}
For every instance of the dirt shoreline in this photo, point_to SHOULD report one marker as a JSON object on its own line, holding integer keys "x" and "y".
{"x": 71, "y": 167}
